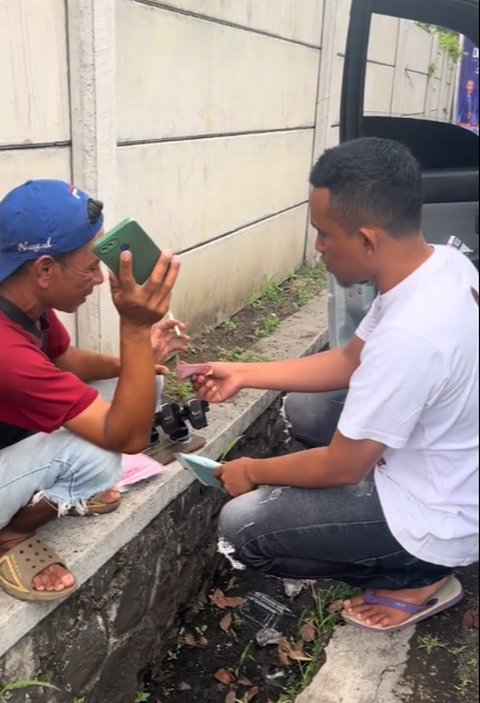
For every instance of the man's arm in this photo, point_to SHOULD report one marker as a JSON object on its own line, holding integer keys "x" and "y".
{"x": 88, "y": 366}
{"x": 125, "y": 424}
{"x": 327, "y": 371}
{"x": 345, "y": 462}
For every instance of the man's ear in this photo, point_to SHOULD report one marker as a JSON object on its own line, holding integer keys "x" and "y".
{"x": 42, "y": 269}
{"x": 369, "y": 240}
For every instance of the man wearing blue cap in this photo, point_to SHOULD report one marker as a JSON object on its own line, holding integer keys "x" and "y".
{"x": 60, "y": 441}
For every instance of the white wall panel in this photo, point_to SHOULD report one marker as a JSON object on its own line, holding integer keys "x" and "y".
{"x": 187, "y": 192}
{"x": 300, "y": 21}
{"x": 180, "y": 76}
{"x": 217, "y": 279}
{"x": 33, "y": 72}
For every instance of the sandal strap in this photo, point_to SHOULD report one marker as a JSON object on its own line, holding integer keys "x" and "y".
{"x": 22, "y": 563}
{"x": 371, "y": 598}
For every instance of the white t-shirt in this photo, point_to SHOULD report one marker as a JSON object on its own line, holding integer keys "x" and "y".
{"x": 416, "y": 391}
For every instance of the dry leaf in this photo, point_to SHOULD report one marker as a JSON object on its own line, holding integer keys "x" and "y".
{"x": 470, "y": 619}
{"x": 336, "y": 606}
{"x": 308, "y": 632}
{"x": 231, "y": 696}
{"x": 202, "y": 642}
{"x": 231, "y": 584}
{"x": 243, "y": 681}
{"x": 221, "y": 601}
{"x": 189, "y": 640}
{"x": 293, "y": 652}
{"x": 225, "y": 622}
{"x": 250, "y": 694}
{"x": 282, "y": 654}
{"x": 225, "y": 676}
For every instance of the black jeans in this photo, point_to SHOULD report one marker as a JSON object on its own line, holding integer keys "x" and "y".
{"x": 318, "y": 533}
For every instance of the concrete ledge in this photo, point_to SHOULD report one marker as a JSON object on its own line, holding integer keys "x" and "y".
{"x": 88, "y": 543}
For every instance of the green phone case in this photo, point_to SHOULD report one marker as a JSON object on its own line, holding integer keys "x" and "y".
{"x": 128, "y": 235}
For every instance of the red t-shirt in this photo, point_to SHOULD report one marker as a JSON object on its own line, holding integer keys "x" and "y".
{"x": 34, "y": 394}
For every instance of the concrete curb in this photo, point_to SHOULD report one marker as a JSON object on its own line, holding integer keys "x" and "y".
{"x": 88, "y": 543}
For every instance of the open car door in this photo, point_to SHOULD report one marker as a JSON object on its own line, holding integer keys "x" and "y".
{"x": 411, "y": 74}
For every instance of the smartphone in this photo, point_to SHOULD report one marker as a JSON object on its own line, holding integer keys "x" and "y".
{"x": 128, "y": 236}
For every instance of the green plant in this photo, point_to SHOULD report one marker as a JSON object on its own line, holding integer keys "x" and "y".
{"x": 255, "y": 301}
{"x": 463, "y": 687}
{"x": 7, "y": 688}
{"x": 432, "y": 69}
{"x": 185, "y": 390}
{"x": 80, "y": 700}
{"x": 244, "y": 656}
{"x": 142, "y": 697}
{"x": 230, "y": 447}
{"x": 229, "y": 325}
{"x": 323, "y": 621}
{"x": 269, "y": 325}
{"x": 431, "y": 642}
{"x": 448, "y": 40}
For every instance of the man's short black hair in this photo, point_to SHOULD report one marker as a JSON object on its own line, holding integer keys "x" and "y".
{"x": 94, "y": 210}
{"x": 372, "y": 182}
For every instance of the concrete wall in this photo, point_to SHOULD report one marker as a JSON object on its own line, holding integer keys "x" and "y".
{"x": 200, "y": 119}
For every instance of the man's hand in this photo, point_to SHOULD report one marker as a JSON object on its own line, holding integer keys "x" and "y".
{"x": 223, "y": 381}
{"x": 144, "y": 305}
{"x": 235, "y": 476}
{"x": 165, "y": 340}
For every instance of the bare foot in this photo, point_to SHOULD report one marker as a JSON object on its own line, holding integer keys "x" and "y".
{"x": 110, "y": 496}
{"x": 54, "y": 578}
{"x": 383, "y": 616}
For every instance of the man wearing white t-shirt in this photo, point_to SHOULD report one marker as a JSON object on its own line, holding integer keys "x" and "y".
{"x": 391, "y": 504}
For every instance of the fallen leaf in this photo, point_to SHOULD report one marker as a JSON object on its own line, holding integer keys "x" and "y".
{"x": 221, "y": 601}
{"x": 225, "y": 622}
{"x": 336, "y": 606}
{"x": 470, "y": 619}
{"x": 189, "y": 640}
{"x": 232, "y": 583}
{"x": 250, "y": 694}
{"x": 231, "y": 696}
{"x": 162, "y": 677}
{"x": 282, "y": 654}
{"x": 225, "y": 676}
{"x": 308, "y": 632}
{"x": 243, "y": 681}
{"x": 294, "y": 652}
{"x": 202, "y": 642}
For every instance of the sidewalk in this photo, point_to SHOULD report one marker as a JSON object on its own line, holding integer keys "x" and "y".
{"x": 433, "y": 662}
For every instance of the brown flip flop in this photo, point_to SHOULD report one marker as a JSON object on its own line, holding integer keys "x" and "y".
{"x": 94, "y": 506}
{"x": 22, "y": 563}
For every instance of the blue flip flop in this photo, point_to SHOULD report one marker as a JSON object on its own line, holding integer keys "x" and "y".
{"x": 449, "y": 594}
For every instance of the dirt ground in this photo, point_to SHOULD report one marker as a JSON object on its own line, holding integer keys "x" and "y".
{"x": 216, "y": 658}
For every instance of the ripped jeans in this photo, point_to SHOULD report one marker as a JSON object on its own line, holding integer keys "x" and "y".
{"x": 61, "y": 466}
{"x": 320, "y": 533}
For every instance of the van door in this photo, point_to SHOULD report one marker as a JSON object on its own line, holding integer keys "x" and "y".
{"x": 411, "y": 74}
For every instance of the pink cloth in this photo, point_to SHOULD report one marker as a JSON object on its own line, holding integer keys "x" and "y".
{"x": 138, "y": 467}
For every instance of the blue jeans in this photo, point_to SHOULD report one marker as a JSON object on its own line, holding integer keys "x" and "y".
{"x": 62, "y": 467}
{"x": 320, "y": 533}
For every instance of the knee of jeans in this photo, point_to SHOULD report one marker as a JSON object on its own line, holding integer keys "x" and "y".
{"x": 296, "y": 414}
{"x": 228, "y": 523}
{"x": 102, "y": 467}
{"x": 112, "y": 467}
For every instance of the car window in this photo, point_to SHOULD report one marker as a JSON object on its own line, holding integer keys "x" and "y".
{"x": 421, "y": 71}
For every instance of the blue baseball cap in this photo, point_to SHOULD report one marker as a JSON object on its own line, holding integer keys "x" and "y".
{"x": 43, "y": 217}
